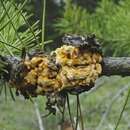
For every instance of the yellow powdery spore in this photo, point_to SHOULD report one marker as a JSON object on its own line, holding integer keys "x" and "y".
{"x": 66, "y": 55}
{"x": 69, "y": 68}
{"x": 78, "y": 68}
{"x": 41, "y": 74}
{"x": 70, "y": 55}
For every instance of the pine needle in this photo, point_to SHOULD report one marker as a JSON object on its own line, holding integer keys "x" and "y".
{"x": 3, "y": 5}
{"x": 5, "y": 91}
{"x": 43, "y": 23}
{"x": 80, "y": 111}
{"x": 16, "y": 13}
{"x": 11, "y": 93}
{"x": 9, "y": 44}
{"x": 1, "y": 89}
{"x": 123, "y": 109}
{"x": 68, "y": 104}
{"x": 26, "y": 21}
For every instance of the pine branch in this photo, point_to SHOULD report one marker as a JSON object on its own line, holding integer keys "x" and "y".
{"x": 116, "y": 66}
{"x": 110, "y": 66}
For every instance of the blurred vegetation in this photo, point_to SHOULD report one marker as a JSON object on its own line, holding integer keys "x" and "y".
{"x": 108, "y": 19}
{"x": 110, "y": 22}
{"x": 14, "y": 31}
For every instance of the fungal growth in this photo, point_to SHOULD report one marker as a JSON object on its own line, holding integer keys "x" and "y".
{"x": 72, "y": 68}
{"x": 75, "y": 66}
{"x": 78, "y": 68}
{"x": 69, "y": 67}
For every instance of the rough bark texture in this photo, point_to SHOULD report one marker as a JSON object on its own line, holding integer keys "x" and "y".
{"x": 116, "y": 66}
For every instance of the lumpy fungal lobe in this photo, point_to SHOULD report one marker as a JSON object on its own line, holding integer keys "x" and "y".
{"x": 70, "y": 68}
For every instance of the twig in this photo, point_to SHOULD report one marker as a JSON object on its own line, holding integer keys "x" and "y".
{"x": 38, "y": 116}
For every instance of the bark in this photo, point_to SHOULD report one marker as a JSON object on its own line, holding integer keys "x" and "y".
{"x": 116, "y": 66}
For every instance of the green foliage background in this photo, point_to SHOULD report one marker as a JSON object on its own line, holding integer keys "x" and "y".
{"x": 109, "y": 20}
{"x": 11, "y": 36}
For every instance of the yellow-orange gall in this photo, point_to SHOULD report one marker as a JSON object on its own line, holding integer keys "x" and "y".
{"x": 96, "y": 58}
{"x": 31, "y": 77}
{"x": 98, "y": 68}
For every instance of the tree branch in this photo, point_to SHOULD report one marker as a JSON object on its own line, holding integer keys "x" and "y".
{"x": 116, "y": 66}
